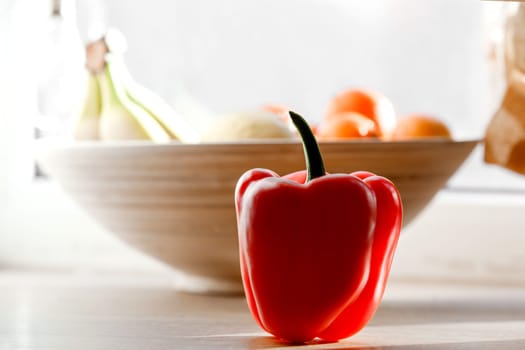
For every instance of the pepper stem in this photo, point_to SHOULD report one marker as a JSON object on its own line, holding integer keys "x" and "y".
{"x": 312, "y": 153}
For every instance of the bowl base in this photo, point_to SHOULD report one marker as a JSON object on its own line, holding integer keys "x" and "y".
{"x": 204, "y": 285}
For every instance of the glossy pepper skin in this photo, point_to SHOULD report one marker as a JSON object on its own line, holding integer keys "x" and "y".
{"x": 315, "y": 248}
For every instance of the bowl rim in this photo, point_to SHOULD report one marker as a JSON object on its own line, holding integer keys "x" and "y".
{"x": 98, "y": 144}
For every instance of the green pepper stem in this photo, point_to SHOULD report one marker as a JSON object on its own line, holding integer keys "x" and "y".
{"x": 312, "y": 153}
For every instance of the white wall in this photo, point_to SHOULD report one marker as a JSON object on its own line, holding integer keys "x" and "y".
{"x": 427, "y": 56}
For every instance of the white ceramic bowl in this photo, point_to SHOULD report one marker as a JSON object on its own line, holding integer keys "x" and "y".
{"x": 175, "y": 201}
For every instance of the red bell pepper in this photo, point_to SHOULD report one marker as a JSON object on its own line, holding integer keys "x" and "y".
{"x": 315, "y": 248}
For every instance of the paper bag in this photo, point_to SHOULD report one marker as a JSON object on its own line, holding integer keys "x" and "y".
{"x": 505, "y": 134}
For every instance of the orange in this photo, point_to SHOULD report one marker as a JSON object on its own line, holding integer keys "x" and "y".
{"x": 420, "y": 126}
{"x": 346, "y": 126}
{"x": 368, "y": 103}
{"x": 277, "y": 110}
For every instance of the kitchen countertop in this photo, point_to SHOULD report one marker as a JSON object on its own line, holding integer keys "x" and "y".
{"x": 88, "y": 310}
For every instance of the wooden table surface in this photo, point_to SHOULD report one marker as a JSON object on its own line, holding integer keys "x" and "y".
{"x": 116, "y": 311}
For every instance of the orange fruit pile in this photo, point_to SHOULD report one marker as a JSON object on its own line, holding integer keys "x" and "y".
{"x": 361, "y": 113}
{"x": 365, "y": 113}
